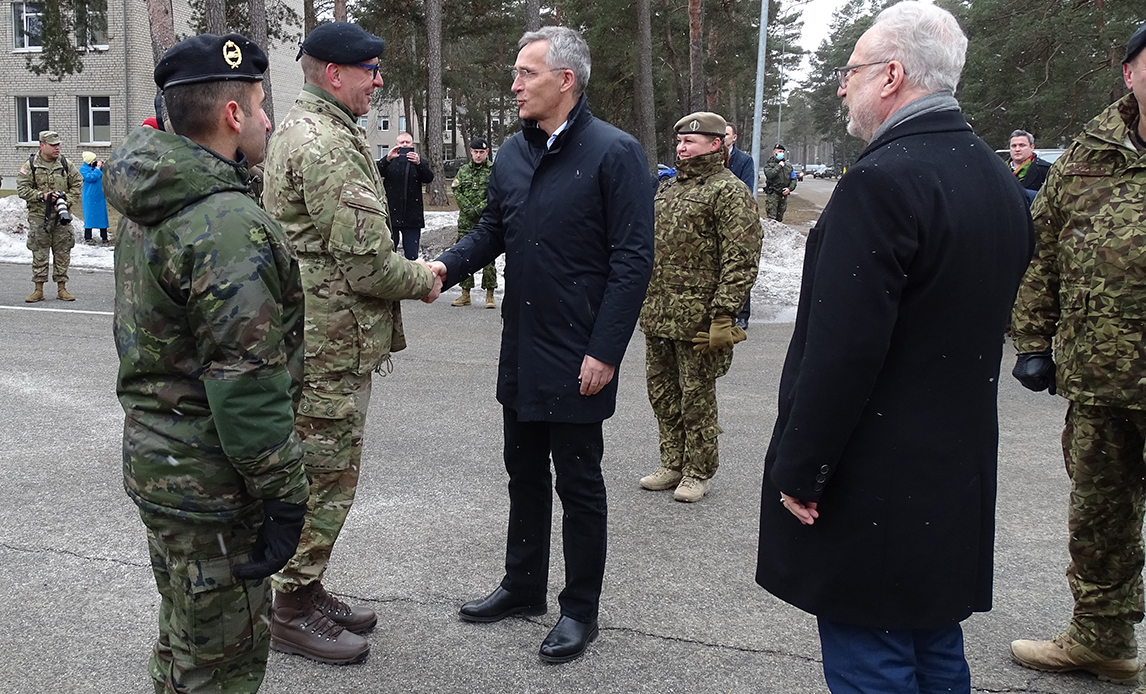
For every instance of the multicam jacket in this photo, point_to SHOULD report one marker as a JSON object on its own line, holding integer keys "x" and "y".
{"x": 322, "y": 186}
{"x": 208, "y": 312}
{"x": 707, "y": 249}
{"x": 469, "y": 190}
{"x": 1085, "y": 289}
{"x": 39, "y": 177}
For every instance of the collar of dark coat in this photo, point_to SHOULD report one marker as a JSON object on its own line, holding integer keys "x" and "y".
{"x": 578, "y": 117}
{"x": 938, "y": 122}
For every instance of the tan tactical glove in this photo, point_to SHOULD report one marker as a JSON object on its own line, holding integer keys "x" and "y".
{"x": 722, "y": 334}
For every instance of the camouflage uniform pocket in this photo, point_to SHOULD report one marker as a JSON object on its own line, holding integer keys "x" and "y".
{"x": 325, "y": 425}
{"x": 223, "y": 617}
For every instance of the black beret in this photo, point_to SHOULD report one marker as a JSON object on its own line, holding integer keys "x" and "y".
{"x": 479, "y": 143}
{"x": 780, "y": 147}
{"x": 342, "y": 43}
{"x": 210, "y": 58}
{"x": 1136, "y": 44}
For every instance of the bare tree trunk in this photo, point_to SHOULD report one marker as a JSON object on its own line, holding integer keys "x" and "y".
{"x": 695, "y": 55}
{"x": 162, "y": 27}
{"x": 711, "y": 88}
{"x": 257, "y": 9}
{"x": 309, "y": 19}
{"x": 532, "y": 15}
{"x": 433, "y": 130}
{"x": 454, "y": 120}
{"x": 340, "y": 10}
{"x": 678, "y": 74}
{"x": 215, "y": 12}
{"x": 646, "y": 112}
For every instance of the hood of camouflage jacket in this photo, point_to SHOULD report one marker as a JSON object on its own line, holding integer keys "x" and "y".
{"x": 155, "y": 174}
{"x": 1112, "y": 126}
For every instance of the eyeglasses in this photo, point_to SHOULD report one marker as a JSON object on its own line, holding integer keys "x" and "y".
{"x": 368, "y": 66}
{"x": 524, "y": 75}
{"x": 843, "y": 73}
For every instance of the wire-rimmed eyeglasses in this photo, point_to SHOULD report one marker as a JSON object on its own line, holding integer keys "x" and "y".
{"x": 516, "y": 73}
{"x": 843, "y": 73}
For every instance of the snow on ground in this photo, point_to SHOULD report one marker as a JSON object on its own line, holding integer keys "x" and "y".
{"x": 777, "y": 289}
{"x": 14, "y": 238}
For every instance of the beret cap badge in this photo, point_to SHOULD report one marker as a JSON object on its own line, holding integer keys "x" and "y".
{"x": 232, "y": 54}
{"x": 693, "y": 124}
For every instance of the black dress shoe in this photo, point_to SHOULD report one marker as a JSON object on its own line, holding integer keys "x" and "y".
{"x": 500, "y": 604}
{"x": 568, "y": 640}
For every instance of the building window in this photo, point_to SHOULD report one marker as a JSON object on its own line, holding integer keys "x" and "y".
{"x": 383, "y": 122}
{"x": 91, "y": 23}
{"x": 402, "y": 123}
{"x": 26, "y": 25}
{"x": 95, "y": 120}
{"x": 363, "y": 121}
{"x": 32, "y": 117}
{"x": 447, "y": 123}
{"x": 495, "y": 123}
{"x": 383, "y": 150}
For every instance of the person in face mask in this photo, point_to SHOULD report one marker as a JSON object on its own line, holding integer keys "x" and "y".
{"x": 779, "y": 182}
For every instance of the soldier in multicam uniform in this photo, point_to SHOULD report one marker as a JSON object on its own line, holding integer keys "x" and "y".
{"x": 325, "y": 190}
{"x": 43, "y": 175}
{"x": 1084, "y": 293}
{"x": 779, "y": 182}
{"x": 208, "y": 322}
{"x": 706, "y": 256}
{"x": 469, "y": 190}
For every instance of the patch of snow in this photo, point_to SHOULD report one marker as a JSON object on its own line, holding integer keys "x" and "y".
{"x": 781, "y": 266}
{"x": 14, "y": 238}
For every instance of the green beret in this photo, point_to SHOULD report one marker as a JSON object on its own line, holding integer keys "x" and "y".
{"x": 701, "y": 123}
{"x": 342, "y": 43}
{"x": 211, "y": 58}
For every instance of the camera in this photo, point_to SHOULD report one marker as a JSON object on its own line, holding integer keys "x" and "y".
{"x": 63, "y": 216}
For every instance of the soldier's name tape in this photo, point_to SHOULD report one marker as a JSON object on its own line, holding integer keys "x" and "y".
{"x": 58, "y": 310}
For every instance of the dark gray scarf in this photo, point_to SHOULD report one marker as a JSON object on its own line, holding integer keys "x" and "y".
{"x": 932, "y": 103}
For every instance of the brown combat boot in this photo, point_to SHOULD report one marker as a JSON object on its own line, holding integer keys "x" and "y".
{"x": 489, "y": 299}
{"x": 62, "y": 292}
{"x": 463, "y": 300}
{"x": 1064, "y": 654}
{"x": 298, "y": 627}
{"x": 357, "y": 619}
{"x": 37, "y": 294}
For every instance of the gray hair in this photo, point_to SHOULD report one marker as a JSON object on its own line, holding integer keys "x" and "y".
{"x": 567, "y": 51}
{"x": 926, "y": 39}
{"x": 1023, "y": 133}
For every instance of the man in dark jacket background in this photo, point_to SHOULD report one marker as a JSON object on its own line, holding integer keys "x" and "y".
{"x": 885, "y": 449}
{"x": 569, "y": 202}
{"x": 740, "y": 164}
{"x": 403, "y": 173}
{"x": 1025, "y": 164}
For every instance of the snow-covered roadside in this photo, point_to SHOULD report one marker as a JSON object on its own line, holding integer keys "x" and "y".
{"x": 14, "y": 238}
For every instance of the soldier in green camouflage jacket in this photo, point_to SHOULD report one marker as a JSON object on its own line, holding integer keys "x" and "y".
{"x": 779, "y": 182}
{"x": 469, "y": 190}
{"x": 1085, "y": 295}
{"x": 208, "y": 320}
{"x": 40, "y": 177}
{"x": 325, "y": 190}
{"x": 707, "y": 252}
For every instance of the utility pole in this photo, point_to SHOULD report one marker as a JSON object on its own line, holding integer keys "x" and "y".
{"x": 758, "y": 108}
{"x": 780, "y": 99}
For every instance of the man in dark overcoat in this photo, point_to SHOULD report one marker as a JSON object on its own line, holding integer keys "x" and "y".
{"x": 569, "y": 202}
{"x": 879, "y": 483}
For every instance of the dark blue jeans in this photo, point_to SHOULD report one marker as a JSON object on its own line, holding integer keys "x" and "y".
{"x": 411, "y": 237}
{"x": 862, "y": 660}
{"x": 576, "y": 450}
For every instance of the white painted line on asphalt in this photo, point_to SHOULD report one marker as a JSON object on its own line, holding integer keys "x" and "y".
{"x": 58, "y": 310}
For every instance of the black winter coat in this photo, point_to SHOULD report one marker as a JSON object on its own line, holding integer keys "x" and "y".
{"x": 887, "y": 412}
{"x": 403, "y": 182}
{"x": 576, "y": 226}
{"x": 1036, "y": 174}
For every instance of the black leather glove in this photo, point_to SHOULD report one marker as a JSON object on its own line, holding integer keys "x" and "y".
{"x": 277, "y": 541}
{"x": 1035, "y": 370}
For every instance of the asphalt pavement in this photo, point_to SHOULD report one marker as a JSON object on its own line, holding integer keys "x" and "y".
{"x": 680, "y": 611}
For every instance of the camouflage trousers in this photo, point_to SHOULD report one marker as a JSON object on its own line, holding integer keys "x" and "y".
{"x": 329, "y": 423}
{"x": 44, "y": 238}
{"x": 682, "y": 391}
{"x": 1104, "y": 449}
{"x": 488, "y": 273}
{"x": 214, "y": 629}
{"x": 775, "y": 205}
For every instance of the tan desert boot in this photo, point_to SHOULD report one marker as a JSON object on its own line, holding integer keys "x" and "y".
{"x": 37, "y": 294}
{"x": 1064, "y": 654}
{"x": 489, "y": 299}
{"x": 62, "y": 292}
{"x": 690, "y": 489}
{"x": 662, "y": 479}
{"x": 463, "y": 300}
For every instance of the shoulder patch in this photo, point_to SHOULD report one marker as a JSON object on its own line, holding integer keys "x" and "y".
{"x": 23, "y": 171}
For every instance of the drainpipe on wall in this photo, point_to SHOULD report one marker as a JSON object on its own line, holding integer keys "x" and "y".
{"x": 126, "y": 76}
